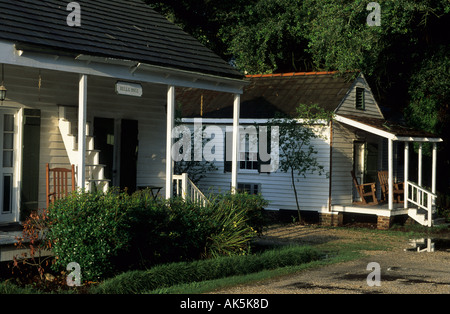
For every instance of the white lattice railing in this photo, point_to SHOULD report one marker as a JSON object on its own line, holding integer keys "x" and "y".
{"x": 421, "y": 197}
{"x": 184, "y": 187}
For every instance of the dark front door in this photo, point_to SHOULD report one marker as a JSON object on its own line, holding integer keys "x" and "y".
{"x": 117, "y": 141}
{"x": 128, "y": 154}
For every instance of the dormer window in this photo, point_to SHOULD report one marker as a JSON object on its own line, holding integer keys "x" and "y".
{"x": 359, "y": 99}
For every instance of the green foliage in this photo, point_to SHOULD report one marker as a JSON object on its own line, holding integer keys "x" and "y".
{"x": 177, "y": 273}
{"x": 268, "y": 35}
{"x": 251, "y": 204}
{"x": 88, "y": 228}
{"x": 109, "y": 232}
{"x": 430, "y": 93}
{"x": 10, "y": 288}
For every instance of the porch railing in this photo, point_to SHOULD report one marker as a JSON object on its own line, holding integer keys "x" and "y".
{"x": 184, "y": 187}
{"x": 421, "y": 197}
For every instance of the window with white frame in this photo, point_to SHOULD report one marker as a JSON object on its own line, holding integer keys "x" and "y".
{"x": 248, "y": 158}
{"x": 250, "y": 188}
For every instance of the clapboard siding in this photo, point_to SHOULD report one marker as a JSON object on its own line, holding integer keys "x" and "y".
{"x": 347, "y": 105}
{"x": 342, "y": 155}
{"x": 276, "y": 187}
{"x": 46, "y": 90}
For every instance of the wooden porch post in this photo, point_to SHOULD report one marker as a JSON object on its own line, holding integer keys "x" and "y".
{"x": 234, "y": 163}
{"x": 433, "y": 169}
{"x": 170, "y": 124}
{"x": 419, "y": 174}
{"x": 82, "y": 103}
{"x": 390, "y": 174}
{"x": 406, "y": 174}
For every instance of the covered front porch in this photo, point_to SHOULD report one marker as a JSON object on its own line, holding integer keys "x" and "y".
{"x": 385, "y": 183}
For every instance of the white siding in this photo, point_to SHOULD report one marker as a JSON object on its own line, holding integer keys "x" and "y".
{"x": 277, "y": 187}
{"x": 342, "y": 155}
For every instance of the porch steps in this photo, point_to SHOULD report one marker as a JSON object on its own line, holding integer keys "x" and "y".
{"x": 420, "y": 216}
{"x": 95, "y": 172}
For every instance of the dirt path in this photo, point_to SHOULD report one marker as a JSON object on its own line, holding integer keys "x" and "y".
{"x": 402, "y": 271}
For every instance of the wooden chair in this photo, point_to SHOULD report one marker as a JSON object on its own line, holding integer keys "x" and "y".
{"x": 364, "y": 192}
{"x": 57, "y": 183}
{"x": 383, "y": 178}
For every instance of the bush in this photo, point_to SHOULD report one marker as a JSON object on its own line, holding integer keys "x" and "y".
{"x": 251, "y": 204}
{"x": 106, "y": 233}
{"x": 167, "y": 275}
{"x": 88, "y": 228}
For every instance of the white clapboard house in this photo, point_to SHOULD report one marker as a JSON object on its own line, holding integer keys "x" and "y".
{"x": 357, "y": 140}
{"x": 92, "y": 84}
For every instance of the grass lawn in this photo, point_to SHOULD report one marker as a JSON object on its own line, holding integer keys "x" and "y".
{"x": 345, "y": 244}
{"x": 273, "y": 259}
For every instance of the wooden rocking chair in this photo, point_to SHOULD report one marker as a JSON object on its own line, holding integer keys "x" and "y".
{"x": 364, "y": 192}
{"x": 60, "y": 179}
{"x": 383, "y": 178}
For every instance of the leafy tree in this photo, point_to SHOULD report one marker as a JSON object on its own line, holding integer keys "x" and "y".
{"x": 203, "y": 19}
{"x": 340, "y": 39}
{"x": 297, "y": 153}
{"x": 268, "y": 36}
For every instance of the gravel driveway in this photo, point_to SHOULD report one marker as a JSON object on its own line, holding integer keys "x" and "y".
{"x": 401, "y": 271}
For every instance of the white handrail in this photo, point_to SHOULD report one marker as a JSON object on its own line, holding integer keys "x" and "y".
{"x": 185, "y": 188}
{"x": 421, "y": 197}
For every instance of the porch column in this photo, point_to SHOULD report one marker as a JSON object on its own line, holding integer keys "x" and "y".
{"x": 406, "y": 174}
{"x": 82, "y": 104}
{"x": 170, "y": 124}
{"x": 390, "y": 174}
{"x": 234, "y": 163}
{"x": 419, "y": 174}
{"x": 433, "y": 169}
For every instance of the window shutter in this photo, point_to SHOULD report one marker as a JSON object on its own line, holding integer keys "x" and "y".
{"x": 360, "y": 98}
{"x": 30, "y": 162}
{"x": 227, "y": 164}
{"x": 269, "y": 150}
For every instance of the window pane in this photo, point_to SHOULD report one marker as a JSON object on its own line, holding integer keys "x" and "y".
{"x": 7, "y": 158}
{"x": 8, "y": 122}
{"x": 8, "y": 140}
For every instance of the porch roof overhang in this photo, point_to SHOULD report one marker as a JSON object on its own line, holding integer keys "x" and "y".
{"x": 387, "y": 129}
{"x": 33, "y": 56}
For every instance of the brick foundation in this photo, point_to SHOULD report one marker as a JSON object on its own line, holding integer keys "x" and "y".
{"x": 383, "y": 222}
{"x": 331, "y": 220}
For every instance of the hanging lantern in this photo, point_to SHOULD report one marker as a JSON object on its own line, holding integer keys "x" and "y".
{"x": 2, "y": 92}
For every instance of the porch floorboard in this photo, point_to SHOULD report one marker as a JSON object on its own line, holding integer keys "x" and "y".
{"x": 379, "y": 210}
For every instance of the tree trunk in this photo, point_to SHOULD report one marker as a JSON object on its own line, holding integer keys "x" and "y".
{"x": 295, "y": 193}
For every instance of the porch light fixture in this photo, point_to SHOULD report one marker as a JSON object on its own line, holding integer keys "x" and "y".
{"x": 2, "y": 88}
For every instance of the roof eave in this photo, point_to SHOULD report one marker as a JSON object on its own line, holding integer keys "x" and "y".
{"x": 116, "y": 68}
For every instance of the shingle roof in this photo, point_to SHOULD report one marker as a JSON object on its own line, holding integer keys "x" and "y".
{"x": 122, "y": 29}
{"x": 267, "y": 94}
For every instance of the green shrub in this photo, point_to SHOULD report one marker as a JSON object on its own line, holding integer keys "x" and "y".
{"x": 111, "y": 232}
{"x": 10, "y": 288}
{"x": 88, "y": 228}
{"x": 177, "y": 273}
{"x": 252, "y": 204}
{"x": 232, "y": 233}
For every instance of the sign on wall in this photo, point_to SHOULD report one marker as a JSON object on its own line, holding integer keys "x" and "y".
{"x": 129, "y": 89}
